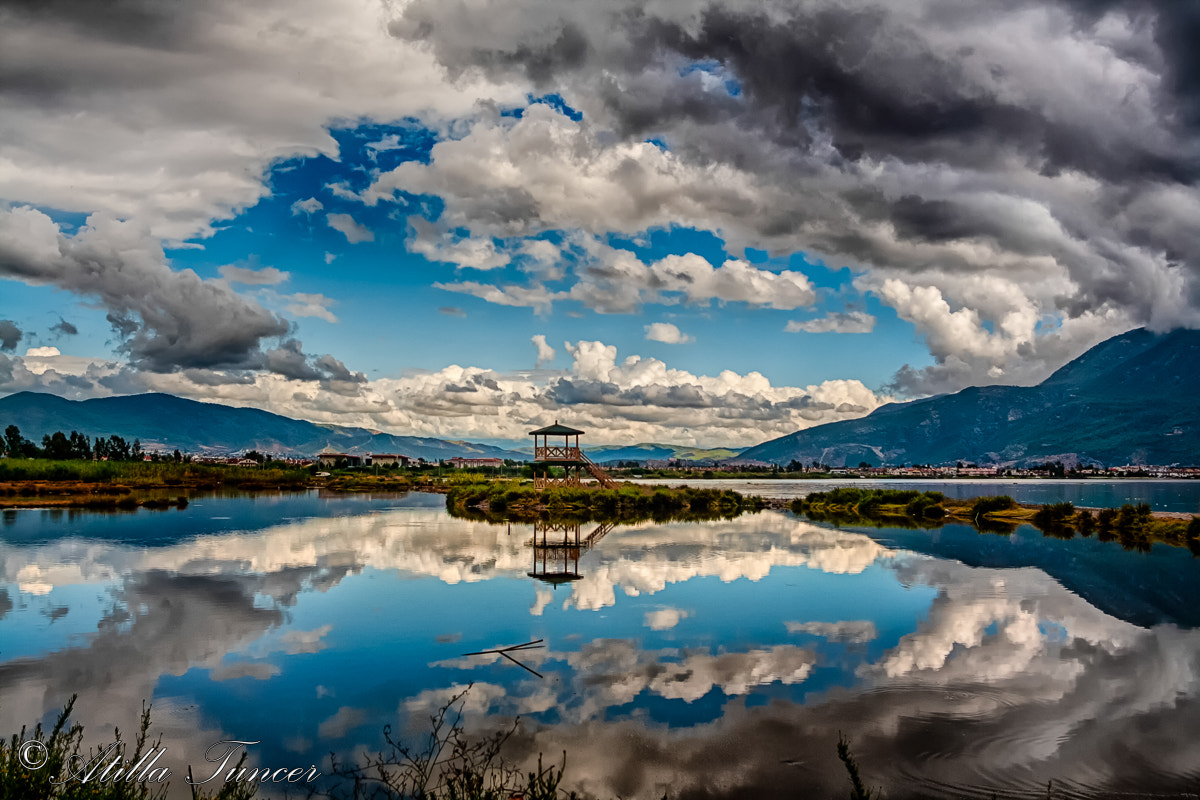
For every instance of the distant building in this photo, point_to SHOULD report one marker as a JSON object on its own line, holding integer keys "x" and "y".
{"x": 978, "y": 472}
{"x": 339, "y": 459}
{"x": 460, "y": 463}
{"x": 388, "y": 460}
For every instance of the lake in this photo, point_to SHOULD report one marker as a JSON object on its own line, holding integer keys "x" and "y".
{"x": 714, "y": 659}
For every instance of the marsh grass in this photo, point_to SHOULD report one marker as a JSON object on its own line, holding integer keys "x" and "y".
{"x": 139, "y": 474}
{"x": 508, "y": 500}
{"x": 1133, "y": 526}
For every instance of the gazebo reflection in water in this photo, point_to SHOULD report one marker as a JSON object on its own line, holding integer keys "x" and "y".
{"x": 557, "y": 547}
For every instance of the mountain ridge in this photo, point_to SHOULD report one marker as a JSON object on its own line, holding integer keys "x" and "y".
{"x": 1131, "y": 399}
{"x": 166, "y": 422}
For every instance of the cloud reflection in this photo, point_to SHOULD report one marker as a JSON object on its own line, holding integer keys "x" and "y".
{"x": 1007, "y": 680}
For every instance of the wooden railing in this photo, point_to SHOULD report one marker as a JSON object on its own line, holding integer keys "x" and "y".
{"x": 598, "y": 473}
{"x": 556, "y": 454}
{"x": 547, "y": 483}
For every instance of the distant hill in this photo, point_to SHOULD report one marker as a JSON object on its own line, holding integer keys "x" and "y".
{"x": 166, "y": 422}
{"x": 606, "y": 454}
{"x": 1130, "y": 400}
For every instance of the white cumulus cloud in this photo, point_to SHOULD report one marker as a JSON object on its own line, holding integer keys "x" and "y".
{"x": 838, "y": 322}
{"x": 666, "y": 333}
{"x": 347, "y": 226}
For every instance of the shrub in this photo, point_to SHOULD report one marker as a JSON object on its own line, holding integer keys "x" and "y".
{"x": 987, "y": 505}
{"x": 1056, "y": 515}
{"x": 1086, "y": 523}
{"x": 1106, "y": 519}
{"x": 925, "y": 506}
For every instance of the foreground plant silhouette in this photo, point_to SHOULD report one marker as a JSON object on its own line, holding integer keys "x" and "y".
{"x": 63, "y": 744}
{"x": 450, "y": 766}
{"x": 858, "y": 791}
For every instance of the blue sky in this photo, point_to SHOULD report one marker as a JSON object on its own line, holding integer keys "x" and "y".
{"x": 383, "y": 297}
{"x": 707, "y": 227}
{"x": 381, "y": 289}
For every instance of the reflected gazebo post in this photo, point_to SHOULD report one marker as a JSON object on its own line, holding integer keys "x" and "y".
{"x": 551, "y": 553}
{"x": 548, "y": 554}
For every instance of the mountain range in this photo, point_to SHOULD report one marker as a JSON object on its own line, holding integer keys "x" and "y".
{"x": 166, "y": 422}
{"x": 1129, "y": 400}
{"x": 608, "y": 454}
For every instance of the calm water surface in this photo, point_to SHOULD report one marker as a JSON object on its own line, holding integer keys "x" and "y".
{"x": 1161, "y": 494}
{"x": 717, "y": 659}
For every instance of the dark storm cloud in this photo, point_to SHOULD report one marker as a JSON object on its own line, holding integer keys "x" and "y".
{"x": 161, "y": 22}
{"x": 169, "y": 27}
{"x": 574, "y": 392}
{"x": 205, "y": 377}
{"x": 10, "y": 334}
{"x": 652, "y": 401}
{"x": 877, "y": 79}
{"x": 166, "y": 320}
{"x": 1053, "y": 145}
{"x": 1176, "y": 32}
{"x": 335, "y": 370}
{"x": 290, "y": 361}
{"x": 64, "y": 328}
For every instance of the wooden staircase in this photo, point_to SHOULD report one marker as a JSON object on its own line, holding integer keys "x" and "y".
{"x": 598, "y": 534}
{"x": 597, "y": 472}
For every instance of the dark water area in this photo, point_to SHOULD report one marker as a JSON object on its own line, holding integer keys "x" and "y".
{"x": 711, "y": 659}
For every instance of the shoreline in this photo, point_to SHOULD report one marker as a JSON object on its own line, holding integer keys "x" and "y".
{"x": 49, "y": 494}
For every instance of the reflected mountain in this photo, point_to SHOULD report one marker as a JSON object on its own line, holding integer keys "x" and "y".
{"x": 1147, "y": 589}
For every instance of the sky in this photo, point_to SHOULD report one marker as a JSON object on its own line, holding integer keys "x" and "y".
{"x": 683, "y": 221}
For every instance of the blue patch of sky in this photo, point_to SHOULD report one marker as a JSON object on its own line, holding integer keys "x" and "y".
{"x": 41, "y": 624}
{"x": 746, "y": 338}
{"x": 557, "y": 102}
{"x": 69, "y": 221}
{"x": 383, "y": 294}
{"x": 554, "y": 100}
{"x": 710, "y": 66}
{"x": 36, "y": 309}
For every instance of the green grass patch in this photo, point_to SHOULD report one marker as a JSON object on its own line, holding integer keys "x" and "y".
{"x": 512, "y": 500}
{"x": 150, "y": 473}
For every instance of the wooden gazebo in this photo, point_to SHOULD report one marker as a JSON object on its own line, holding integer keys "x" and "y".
{"x": 567, "y": 456}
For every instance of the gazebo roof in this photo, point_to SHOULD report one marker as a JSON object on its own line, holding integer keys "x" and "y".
{"x": 555, "y": 430}
{"x": 556, "y": 578}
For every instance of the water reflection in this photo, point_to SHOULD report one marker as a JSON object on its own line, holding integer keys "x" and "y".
{"x": 704, "y": 659}
{"x": 556, "y": 562}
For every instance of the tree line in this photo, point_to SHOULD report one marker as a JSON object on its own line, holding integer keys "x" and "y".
{"x": 61, "y": 446}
